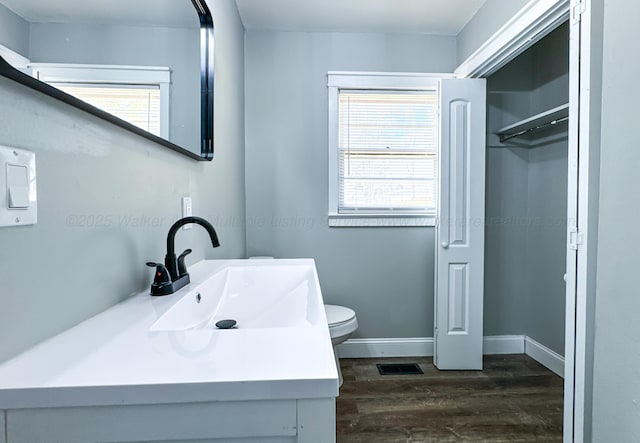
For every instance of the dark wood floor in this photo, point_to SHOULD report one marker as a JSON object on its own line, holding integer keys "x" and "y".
{"x": 514, "y": 399}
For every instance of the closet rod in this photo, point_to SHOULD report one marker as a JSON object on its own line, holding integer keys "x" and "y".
{"x": 505, "y": 137}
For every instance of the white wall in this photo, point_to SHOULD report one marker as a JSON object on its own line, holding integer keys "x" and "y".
{"x": 107, "y": 199}
{"x": 14, "y": 31}
{"x": 385, "y": 274}
{"x": 491, "y": 17}
{"x": 616, "y": 378}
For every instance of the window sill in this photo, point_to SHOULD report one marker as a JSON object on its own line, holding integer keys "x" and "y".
{"x": 351, "y": 221}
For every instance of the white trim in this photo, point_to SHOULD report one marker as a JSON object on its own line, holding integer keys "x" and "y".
{"x": 535, "y": 20}
{"x": 389, "y": 81}
{"x": 165, "y": 110}
{"x": 432, "y": 75}
{"x": 572, "y": 408}
{"x": 587, "y": 144}
{"x": 545, "y": 356}
{"x": 332, "y": 148}
{"x": 345, "y": 221}
{"x": 395, "y": 74}
{"x": 386, "y": 347}
{"x": 503, "y": 344}
{"x": 61, "y": 72}
{"x": 13, "y": 58}
{"x": 100, "y": 66}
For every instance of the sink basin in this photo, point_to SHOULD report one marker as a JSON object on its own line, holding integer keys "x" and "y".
{"x": 272, "y": 378}
{"x": 255, "y": 296}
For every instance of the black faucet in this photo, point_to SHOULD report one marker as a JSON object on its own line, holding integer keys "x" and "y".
{"x": 173, "y": 274}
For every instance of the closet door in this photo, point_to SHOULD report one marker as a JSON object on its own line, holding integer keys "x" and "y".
{"x": 460, "y": 230}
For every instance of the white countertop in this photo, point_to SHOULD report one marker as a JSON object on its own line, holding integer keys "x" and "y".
{"x": 113, "y": 359}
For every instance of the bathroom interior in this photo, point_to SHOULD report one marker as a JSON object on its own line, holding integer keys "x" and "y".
{"x": 107, "y": 195}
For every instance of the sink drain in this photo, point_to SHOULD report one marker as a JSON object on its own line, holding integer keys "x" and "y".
{"x": 225, "y": 324}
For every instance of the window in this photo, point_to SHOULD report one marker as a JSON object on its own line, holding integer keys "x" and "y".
{"x": 136, "y": 104}
{"x": 138, "y": 95}
{"x": 383, "y": 146}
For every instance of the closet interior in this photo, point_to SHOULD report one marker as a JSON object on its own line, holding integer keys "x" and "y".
{"x": 526, "y": 201}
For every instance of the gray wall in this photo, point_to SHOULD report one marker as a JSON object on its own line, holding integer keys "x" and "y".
{"x": 385, "y": 274}
{"x": 106, "y": 199}
{"x": 491, "y": 17}
{"x": 527, "y": 198}
{"x": 507, "y": 182}
{"x": 14, "y": 32}
{"x": 547, "y": 196}
{"x": 176, "y": 48}
{"x": 543, "y": 309}
{"x": 616, "y": 380}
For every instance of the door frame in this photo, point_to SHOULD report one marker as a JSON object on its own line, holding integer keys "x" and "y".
{"x": 534, "y": 21}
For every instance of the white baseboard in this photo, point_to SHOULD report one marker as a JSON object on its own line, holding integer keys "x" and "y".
{"x": 423, "y": 347}
{"x": 386, "y": 347}
{"x": 545, "y": 356}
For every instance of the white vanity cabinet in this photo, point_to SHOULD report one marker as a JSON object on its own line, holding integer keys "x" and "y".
{"x": 268, "y": 421}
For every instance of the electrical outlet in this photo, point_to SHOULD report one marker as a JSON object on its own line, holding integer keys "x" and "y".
{"x": 187, "y": 211}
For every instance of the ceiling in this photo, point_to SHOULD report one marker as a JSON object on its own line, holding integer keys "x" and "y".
{"x": 444, "y": 17}
{"x": 172, "y": 13}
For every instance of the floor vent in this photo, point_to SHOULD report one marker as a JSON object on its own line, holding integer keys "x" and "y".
{"x": 399, "y": 369}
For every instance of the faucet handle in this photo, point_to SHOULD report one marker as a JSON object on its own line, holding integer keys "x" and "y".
{"x": 182, "y": 267}
{"x": 161, "y": 278}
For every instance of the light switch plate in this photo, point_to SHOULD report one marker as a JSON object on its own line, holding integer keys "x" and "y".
{"x": 18, "y": 190}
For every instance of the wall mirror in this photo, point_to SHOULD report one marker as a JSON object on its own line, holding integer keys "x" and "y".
{"x": 144, "y": 65}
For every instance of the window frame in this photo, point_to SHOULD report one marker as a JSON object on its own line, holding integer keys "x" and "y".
{"x": 355, "y": 81}
{"x": 111, "y": 75}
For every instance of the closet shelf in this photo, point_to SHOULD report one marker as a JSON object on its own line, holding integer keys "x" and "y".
{"x": 538, "y": 121}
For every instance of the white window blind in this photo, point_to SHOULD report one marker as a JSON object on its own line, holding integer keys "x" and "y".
{"x": 136, "y": 104}
{"x": 387, "y": 148}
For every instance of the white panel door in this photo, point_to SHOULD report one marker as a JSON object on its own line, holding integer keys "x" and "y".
{"x": 460, "y": 228}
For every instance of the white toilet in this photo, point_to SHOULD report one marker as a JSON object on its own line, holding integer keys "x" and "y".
{"x": 342, "y": 324}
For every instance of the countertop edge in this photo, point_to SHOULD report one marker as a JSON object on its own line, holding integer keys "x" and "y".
{"x": 129, "y": 395}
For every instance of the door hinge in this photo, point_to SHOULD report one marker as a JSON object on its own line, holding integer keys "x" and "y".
{"x": 578, "y": 7}
{"x": 575, "y": 239}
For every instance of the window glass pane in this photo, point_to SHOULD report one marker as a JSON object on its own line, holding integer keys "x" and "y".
{"x": 377, "y": 165}
{"x": 136, "y": 104}
{"x": 387, "y": 151}
{"x": 387, "y": 194}
{"x": 387, "y": 120}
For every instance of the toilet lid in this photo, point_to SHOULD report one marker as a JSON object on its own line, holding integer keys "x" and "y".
{"x": 338, "y": 314}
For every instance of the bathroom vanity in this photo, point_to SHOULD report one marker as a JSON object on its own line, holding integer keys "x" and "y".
{"x": 156, "y": 369}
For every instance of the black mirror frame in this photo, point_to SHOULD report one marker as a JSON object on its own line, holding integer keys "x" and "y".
{"x": 207, "y": 77}
{"x": 206, "y": 74}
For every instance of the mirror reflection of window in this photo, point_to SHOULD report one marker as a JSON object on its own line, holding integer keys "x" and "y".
{"x": 136, "y": 104}
{"x": 139, "y": 95}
